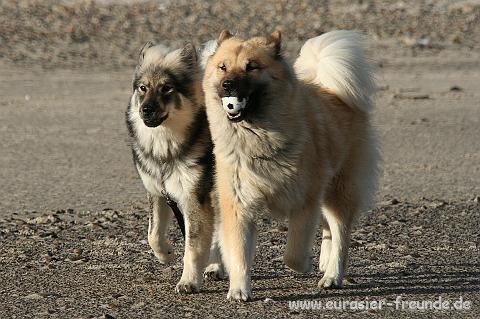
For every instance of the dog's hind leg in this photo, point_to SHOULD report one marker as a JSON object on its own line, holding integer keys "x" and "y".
{"x": 157, "y": 229}
{"x": 340, "y": 225}
{"x": 302, "y": 227}
{"x": 342, "y": 203}
{"x": 326, "y": 245}
{"x": 198, "y": 238}
{"x": 351, "y": 192}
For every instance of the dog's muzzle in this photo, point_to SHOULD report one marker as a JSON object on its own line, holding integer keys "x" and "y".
{"x": 234, "y": 106}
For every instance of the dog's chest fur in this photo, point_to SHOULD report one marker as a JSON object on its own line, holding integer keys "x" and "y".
{"x": 172, "y": 160}
{"x": 261, "y": 168}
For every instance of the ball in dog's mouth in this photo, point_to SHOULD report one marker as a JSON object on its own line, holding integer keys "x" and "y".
{"x": 234, "y": 106}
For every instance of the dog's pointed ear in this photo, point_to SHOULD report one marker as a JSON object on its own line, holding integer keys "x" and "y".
{"x": 274, "y": 41}
{"x": 188, "y": 55}
{"x": 144, "y": 49}
{"x": 224, "y": 35}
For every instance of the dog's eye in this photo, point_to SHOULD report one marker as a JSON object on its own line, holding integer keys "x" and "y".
{"x": 143, "y": 88}
{"x": 223, "y": 68}
{"x": 252, "y": 65}
{"x": 167, "y": 89}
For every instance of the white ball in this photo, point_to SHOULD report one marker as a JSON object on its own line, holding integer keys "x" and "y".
{"x": 233, "y": 105}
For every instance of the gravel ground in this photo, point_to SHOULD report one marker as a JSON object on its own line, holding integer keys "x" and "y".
{"x": 69, "y": 264}
{"x": 73, "y": 217}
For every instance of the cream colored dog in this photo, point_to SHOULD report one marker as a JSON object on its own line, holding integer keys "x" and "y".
{"x": 292, "y": 143}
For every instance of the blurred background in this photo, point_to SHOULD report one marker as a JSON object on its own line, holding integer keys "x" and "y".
{"x": 66, "y": 67}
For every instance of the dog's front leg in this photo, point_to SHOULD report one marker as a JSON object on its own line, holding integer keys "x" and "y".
{"x": 215, "y": 269}
{"x": 198, "y": 238}
{"x": 157, "y": 229}
{"x": 238, "y": 237}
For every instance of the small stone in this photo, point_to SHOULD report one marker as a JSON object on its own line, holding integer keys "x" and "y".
{"x": 76, "y": 259}
{"x": 395, "y": 265}
{"x": 417, "y": 233}
{"x": 375, "y": 246}
{"x": 438, "y": 204}
{"x": 268, "y": 300}
{"x": 476, "y": 199}
{"x": 392, "y": 201}
{"x": 138, "y": 305}
{"x": 34, "y": 296}
{"x": 456, "y": 88}
{"x": 48, "y": 234}
{"x": 411, "y": 96}
{"x": 349, "y": 281}
{"x": 423, "y": 42}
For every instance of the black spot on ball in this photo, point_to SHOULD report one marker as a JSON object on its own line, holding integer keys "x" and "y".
{"x": 230, "y": 106}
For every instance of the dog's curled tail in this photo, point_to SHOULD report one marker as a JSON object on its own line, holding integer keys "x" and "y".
{"x": 336, "y": 61}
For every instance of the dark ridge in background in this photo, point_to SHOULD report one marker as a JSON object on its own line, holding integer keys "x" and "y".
{"x": 104, "y": 33}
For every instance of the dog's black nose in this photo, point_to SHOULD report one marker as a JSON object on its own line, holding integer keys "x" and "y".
{"x": 148, "y": 110}
{"x": 228, "y": 85}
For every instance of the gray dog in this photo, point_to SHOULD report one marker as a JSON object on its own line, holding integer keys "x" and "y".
{"x": 172, "y": 151}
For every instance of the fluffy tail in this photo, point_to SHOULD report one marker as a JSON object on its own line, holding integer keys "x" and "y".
{"x": 336, "y": 61}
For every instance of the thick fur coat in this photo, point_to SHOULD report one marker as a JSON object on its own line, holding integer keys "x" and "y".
{"x": 303, "y": 148}
{"x": 172, "y": 151}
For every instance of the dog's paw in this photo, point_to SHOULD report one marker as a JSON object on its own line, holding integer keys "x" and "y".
{"x": 214, "y": 271}
{"x": 330, "y": 282}
{"x": 185, "y": 287}
{"x": 165, "y": 256}
{"x": 236, "y": 294}
{"x": 163, "y": 250}
{"x": 302, "y": 265}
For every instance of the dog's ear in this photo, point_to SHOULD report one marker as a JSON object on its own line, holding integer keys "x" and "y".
{"x": 188, "y": 55}
{"x": 144, "y": 49}
{"x": 274, "y": 41}
{"x": 224, "y": 35}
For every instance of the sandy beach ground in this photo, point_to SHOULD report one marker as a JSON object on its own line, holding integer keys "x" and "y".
{"x": 73, "y": 214}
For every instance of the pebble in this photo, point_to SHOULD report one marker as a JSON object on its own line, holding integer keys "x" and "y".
{"x": 375, "y": 246}
{"x": 456, "y": 88}
{"x": 138, "y": 305}
{"x": 411, "y": 96}
{"x": 392, "y": 201}
{"x": 33, "y": 296}
{"x": 395, "y": 264}
{"x": 46, "y": 219}
{"x": 417, "y": 232}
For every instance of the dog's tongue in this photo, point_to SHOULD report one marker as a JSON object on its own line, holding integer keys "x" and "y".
{"x": 233, "y": 105}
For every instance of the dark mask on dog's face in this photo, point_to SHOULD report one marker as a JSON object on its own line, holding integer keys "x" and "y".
{"x": 244, "y": 71}
{"x": 155, "y": 98}
{"x": 161, "y": 82}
